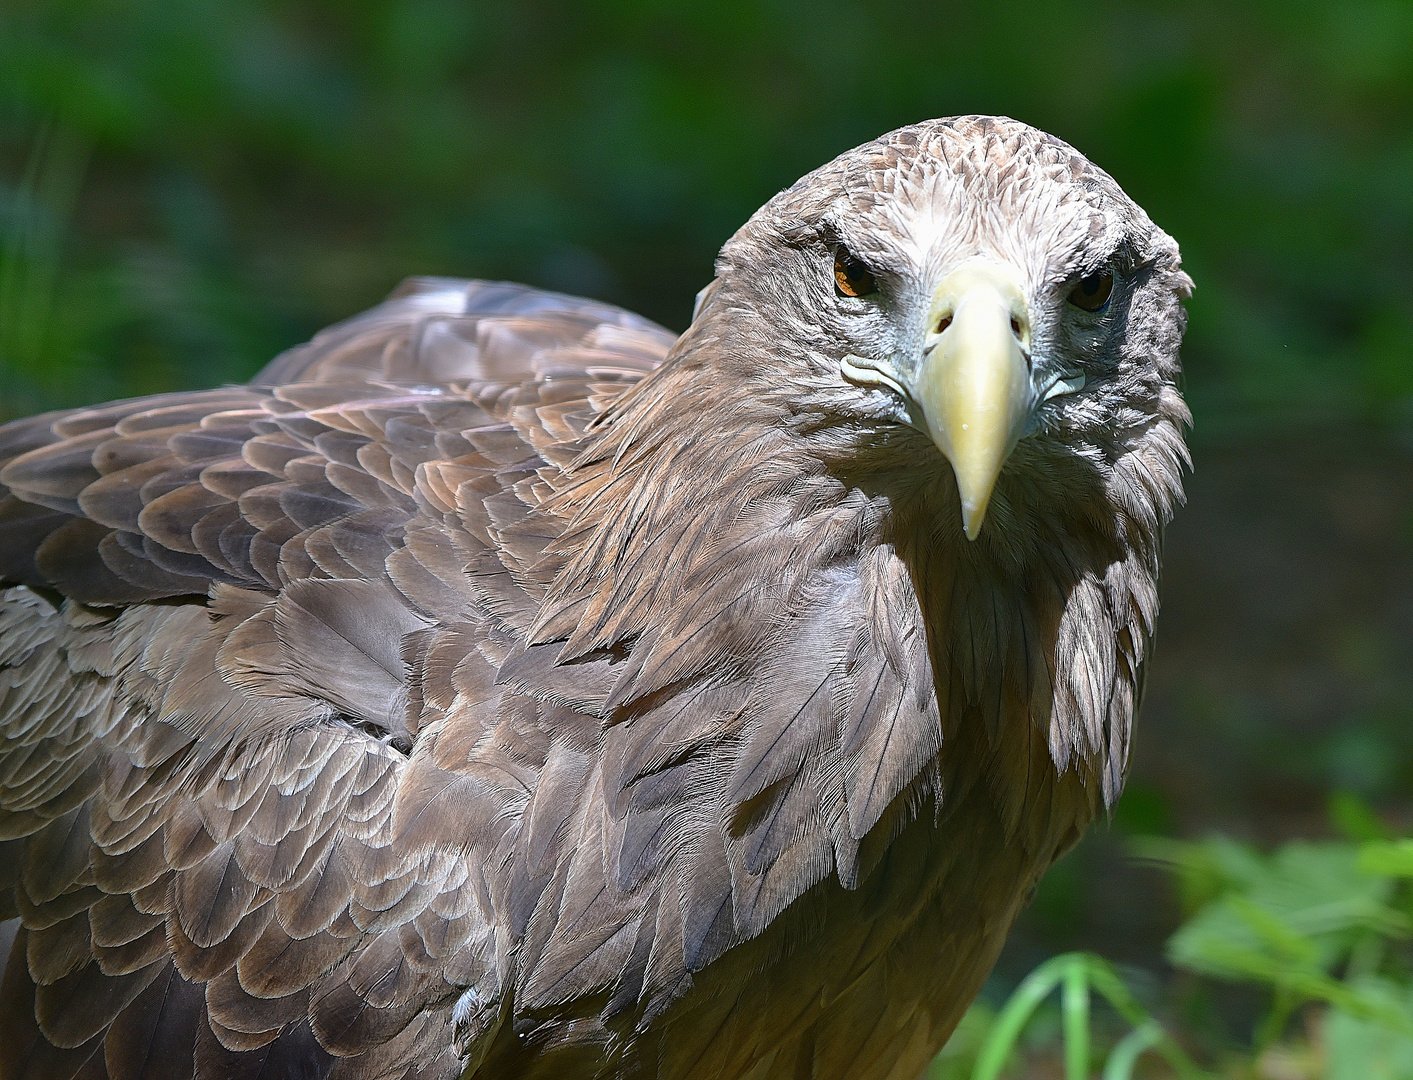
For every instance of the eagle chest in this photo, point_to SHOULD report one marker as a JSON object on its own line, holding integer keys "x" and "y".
{"x": 870, "y": 981}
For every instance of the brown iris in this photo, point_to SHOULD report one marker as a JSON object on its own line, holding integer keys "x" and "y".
{"x": 1093, "y": 292}
{"x": 851, "y": 277}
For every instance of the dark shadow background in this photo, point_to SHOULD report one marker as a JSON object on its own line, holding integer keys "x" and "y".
{"x": 189, "y": 186}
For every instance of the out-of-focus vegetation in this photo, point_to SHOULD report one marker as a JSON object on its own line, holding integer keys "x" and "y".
{"x": 1320, "y": 930}
{"x": 187, "y": 186}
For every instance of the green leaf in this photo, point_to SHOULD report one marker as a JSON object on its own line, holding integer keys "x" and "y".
{"x": 1360, "y": 1045}
{"x": 1392, "y": 858}
{"x": 1356, "y": 818}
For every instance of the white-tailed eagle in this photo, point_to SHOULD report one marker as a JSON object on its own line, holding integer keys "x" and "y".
{"x": 502, "y": 683}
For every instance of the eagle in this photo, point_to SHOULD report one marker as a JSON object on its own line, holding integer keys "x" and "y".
{"x": 501, "y": 685}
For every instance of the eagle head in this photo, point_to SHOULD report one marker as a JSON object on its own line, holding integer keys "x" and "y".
{"x": 970, "y": 298}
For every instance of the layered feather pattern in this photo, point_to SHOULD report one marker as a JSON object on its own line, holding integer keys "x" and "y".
{"x": 498, "y": 683}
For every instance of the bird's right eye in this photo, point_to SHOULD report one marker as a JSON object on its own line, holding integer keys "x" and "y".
{"x": 1093, "y": 292}
{"x": 851, "y": 277}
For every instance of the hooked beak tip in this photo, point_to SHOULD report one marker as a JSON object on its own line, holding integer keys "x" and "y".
{"x": 972, "y": 517}
{"x": 975, "y": 493}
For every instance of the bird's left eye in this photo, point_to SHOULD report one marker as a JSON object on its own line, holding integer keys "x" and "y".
{"x": 1093, "y": 292}
{"x": 851, "y": 277}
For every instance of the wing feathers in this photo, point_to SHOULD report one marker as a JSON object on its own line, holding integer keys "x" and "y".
{"x": 154, "y": 1038}
{"x": 81, "y": 1005}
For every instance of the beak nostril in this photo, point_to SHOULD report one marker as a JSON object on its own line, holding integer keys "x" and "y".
{"x": 945, "y": 322}
{"x": 1016, "y": 325}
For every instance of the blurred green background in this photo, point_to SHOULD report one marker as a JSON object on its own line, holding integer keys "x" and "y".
{"x": 189, "y": 186}
{"x": 192, "y": 185}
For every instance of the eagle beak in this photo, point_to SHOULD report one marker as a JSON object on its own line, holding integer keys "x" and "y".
{"x": 974, "y": 386}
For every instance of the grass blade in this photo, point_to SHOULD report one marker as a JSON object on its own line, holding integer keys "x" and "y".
{"x": 1074, "y": 1009}
{"x": 1126, "y": 1052}
{"x": 1017, "y": 1013}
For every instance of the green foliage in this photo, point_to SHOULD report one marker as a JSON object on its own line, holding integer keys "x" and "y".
{"x": 1294, "y": 921}
{"x": 1076, "y": 976}
{"x": 1320, "y": 928}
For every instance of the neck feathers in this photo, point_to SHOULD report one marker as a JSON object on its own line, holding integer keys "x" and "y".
{"x": 711, "y": 543}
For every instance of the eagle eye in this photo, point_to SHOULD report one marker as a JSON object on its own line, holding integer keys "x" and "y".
{"x": 1093, "y": 292}
{"x": 851, "y": 277}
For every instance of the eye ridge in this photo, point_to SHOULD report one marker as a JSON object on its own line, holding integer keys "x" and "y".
{"x": 852, "y": 277}
{"x": 1093, "y": 291}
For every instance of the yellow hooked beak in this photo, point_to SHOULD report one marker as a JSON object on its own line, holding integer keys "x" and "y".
{"x": 974, "y": 385}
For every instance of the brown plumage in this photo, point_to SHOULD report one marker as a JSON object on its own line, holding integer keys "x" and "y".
{"x": 499, "y": 683}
